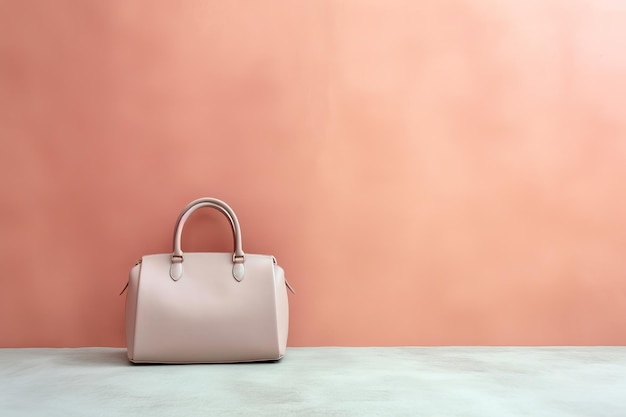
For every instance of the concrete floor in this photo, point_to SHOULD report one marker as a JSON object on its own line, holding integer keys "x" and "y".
{"x": 407, "y": 381}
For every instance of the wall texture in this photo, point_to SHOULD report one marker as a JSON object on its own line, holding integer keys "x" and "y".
{"x": 427, "y": 172}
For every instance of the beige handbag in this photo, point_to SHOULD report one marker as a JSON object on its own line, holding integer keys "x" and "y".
{"x": 206, "y": 307}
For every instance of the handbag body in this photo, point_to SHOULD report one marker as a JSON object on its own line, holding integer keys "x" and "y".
{"x": 206, "y": 307}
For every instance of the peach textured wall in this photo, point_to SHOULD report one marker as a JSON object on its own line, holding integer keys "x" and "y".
{"x": 427, "y": 172}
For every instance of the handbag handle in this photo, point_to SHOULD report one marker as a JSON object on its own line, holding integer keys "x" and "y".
{"x": 239, "y": 257}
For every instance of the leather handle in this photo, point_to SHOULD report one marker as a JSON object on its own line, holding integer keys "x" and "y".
{"x": 239, "y": 257}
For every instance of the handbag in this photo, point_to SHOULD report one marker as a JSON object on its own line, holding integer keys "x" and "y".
{"x": 206, "y": 307}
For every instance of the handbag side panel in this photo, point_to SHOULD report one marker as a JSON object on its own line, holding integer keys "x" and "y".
{"x": 282, "y": 309}
{"x": 131, "y": 309}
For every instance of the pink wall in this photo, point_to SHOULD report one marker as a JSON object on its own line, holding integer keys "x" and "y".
{"x": 427, "y": 173}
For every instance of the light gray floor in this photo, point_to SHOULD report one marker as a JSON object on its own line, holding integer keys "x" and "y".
{"x": 451, "y": 381}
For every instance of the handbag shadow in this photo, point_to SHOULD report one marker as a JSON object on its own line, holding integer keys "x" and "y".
{"x": 250, "y": 363}
{"x": 95, "y": 356}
